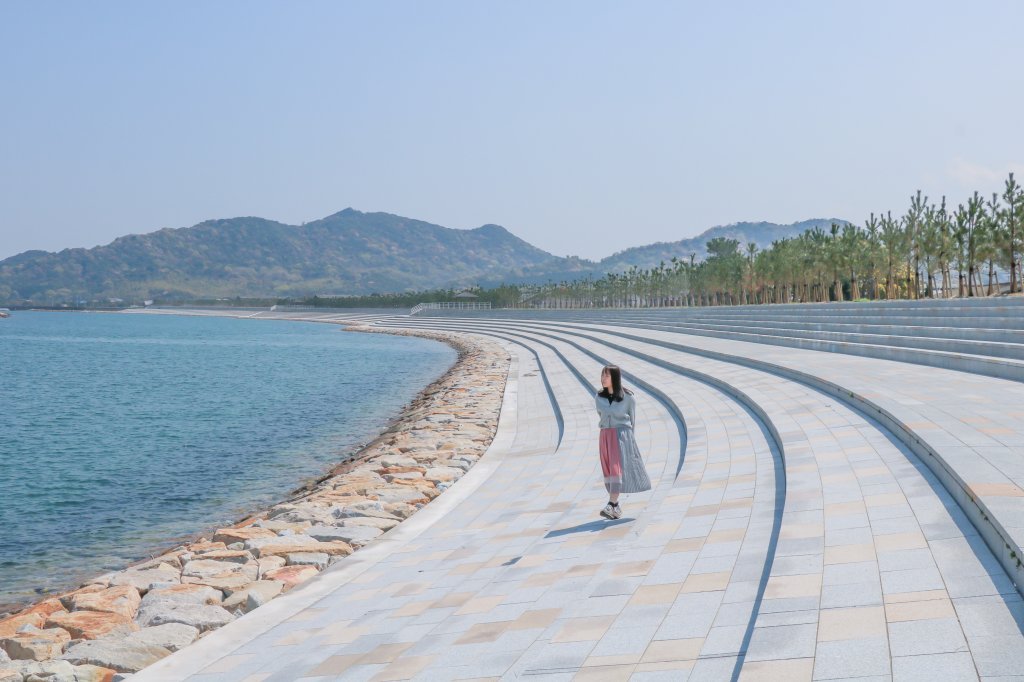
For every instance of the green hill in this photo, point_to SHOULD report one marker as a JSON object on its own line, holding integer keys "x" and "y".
{"x": 348, "y": 253}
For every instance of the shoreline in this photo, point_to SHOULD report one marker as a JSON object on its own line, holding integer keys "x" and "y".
{"x": 122, "y": 621}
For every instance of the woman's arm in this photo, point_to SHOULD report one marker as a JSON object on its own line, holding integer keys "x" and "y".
{"x": 632, "y": 409}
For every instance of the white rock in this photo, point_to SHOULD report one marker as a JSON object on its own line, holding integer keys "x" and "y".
{"x": 184, "y": 594}
{"x": 443, "y": 474}
{"x": 201, "y": 616}
{"x": 143, "y": 579}
{"x": 371, "y": 522}
{"x": 45, "y": 671}
{"x": 123, "y": 654}
{"x": 255, "y": 595}
{"x": 397, "y": 461}
{"x": 397, "y": 494}
{"x": 318, "y": 559}
{"x": 208, "y": 568}
{"x": 170, "y": 636}
{"x": 353, "y": 535}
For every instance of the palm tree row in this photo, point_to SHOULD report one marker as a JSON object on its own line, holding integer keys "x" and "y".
{"x": 930, "y": 251}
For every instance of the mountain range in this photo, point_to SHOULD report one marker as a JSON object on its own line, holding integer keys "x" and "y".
{"x": 347, "y": 253}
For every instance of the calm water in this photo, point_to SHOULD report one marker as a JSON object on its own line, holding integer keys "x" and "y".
{"x": 122, "y": 433}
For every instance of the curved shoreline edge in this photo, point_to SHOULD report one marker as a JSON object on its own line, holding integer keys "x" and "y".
{"x": 121, "y": 622}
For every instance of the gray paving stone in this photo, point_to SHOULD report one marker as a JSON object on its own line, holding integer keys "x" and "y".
{"x": 852, "y": 658}
{"x": 916, "y": 637}
{"x": 953, "y": 667}
{"x": 781, "y": 642}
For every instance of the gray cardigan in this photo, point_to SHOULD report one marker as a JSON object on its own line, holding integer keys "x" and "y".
{"x": 616, "y": 414}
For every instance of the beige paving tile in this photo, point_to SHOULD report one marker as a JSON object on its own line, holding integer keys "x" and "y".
{"x": 483, "y": 632}
{"x": 532, "y": 560}
{"x": 728, "y": 535}
{"x": 996, "y": 490}
{"x": 455, "y": 599}
{"x": 539, "y": 618}
{"x": 412, "y": 609}
{"x": 583, "y": 629}
{"x": 409, "y": 590}
{"x": 843, "y": 508}
{"x": 781, "y": 586}
{"x": 584, "y": 569}
{"x": 342, "y": 633}
{"x": 467, "y": 568}
{"x": 385, "y": 653}
{"x": 655, "y": 594}
{"x": 334, "y": 665}
{"x": 632, "y": 568}
{"x": 673, "y": 650}
{"x": 480, "y": 605}
{"x": 706, "y": 582}
{"x": 543, "y": 579}
{"x": 702, "y": 510}
{"x": 885, "y": 500}
{"x": 911, "y": 540}
{"x": 854, "y": 623}
{"x": 684, "y": 545}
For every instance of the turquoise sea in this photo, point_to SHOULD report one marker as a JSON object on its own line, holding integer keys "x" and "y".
{"x": 122, "y": 434}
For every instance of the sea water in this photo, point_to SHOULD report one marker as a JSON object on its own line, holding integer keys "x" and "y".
{"x": 123, "y": 434}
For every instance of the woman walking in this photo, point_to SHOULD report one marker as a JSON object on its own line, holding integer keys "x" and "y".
{"x": 621, "y": 464}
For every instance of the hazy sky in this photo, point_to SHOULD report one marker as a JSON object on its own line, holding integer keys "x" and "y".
{"x": 582, "y": 127}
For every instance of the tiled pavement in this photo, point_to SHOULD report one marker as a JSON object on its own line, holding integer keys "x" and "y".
{"x": 788, "y": 536}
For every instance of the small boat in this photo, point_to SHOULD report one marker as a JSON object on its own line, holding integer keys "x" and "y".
{"x": 4, "y": 312}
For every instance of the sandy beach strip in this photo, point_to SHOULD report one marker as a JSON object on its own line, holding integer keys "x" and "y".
{"x": 123, "y": 621}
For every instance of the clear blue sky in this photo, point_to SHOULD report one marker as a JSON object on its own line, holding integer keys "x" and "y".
{"x": 583, "y": 127}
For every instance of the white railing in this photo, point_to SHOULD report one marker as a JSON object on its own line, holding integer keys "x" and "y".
{"x": 450, "y": 305}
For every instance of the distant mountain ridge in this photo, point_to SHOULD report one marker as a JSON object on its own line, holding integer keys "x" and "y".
{"x": 349, "y": 252}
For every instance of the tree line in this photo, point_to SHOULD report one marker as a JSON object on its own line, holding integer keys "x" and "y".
{"x": 932, "y": 250}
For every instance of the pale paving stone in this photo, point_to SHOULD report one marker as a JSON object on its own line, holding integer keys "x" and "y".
{"x": 857, "y": 481}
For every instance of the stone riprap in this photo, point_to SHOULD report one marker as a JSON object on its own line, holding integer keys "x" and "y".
{"x": 121, "y": 622}
{"x": 814, "y": 515}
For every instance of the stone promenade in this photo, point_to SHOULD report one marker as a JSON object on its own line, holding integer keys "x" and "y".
{"x": 838, "y": 494}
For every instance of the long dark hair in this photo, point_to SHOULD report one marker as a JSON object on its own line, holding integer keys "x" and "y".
{"x": 617, "y": 392}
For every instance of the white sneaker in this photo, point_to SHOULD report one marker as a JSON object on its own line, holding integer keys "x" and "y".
{"x": 612, "y": 511}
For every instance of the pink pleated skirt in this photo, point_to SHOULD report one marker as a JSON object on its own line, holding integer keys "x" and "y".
{"x": 621, "y": 463}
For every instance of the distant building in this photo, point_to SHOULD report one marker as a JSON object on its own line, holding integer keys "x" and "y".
{"x": 466, "y": 295}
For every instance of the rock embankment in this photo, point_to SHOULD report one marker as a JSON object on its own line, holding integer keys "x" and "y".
{"x": 121, "y": 622}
